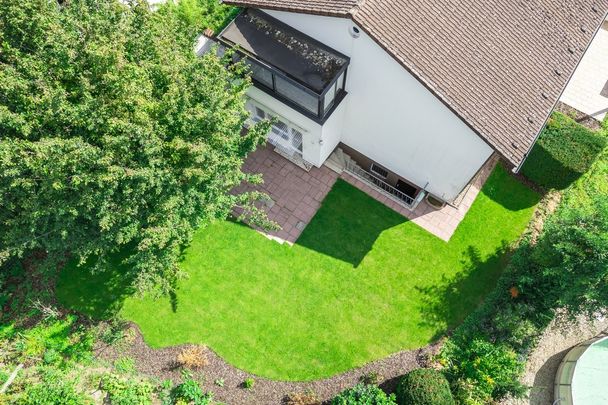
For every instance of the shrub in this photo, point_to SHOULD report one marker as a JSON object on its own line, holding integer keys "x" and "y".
{"x": 424, "y": 386}
{"x": 491, "y": 370}
{"x": 199, "y": 15}
{"x": 192, "y": 358}
{"x": 248, "y": 383}
{"x": 190, "y": 392}
{"x": 371, "y": 378}
{"x": 564, "y": 151}
{"x": 54, "y": 388}
{"x": 126, "y": 391}
{"x": 362, "y": 394}
{"x": 303, "y": 398}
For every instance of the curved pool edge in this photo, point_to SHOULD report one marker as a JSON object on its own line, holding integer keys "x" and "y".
{"x": 565, "y": 381}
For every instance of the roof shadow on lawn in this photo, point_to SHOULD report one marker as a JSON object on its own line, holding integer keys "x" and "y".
{"x": 507, "y": 192}
{"x": 348, "y": 224}
{"x": 448, "y": 303}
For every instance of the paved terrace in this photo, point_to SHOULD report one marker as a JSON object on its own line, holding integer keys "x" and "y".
{"x": 297, "y": 195}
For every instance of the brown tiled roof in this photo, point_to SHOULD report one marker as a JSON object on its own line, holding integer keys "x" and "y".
{"x": 500, "y": 65}
{"x": 336, "y": 8}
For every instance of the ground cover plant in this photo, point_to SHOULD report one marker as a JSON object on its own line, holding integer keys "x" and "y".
{"x": 362, "y": 394}
{"x": 564, "y": 151}
{"x": 309, "y": 311}
{"x": 564, "y": 267}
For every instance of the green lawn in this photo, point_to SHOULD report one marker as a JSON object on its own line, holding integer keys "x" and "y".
{"x": 361, "y": 283}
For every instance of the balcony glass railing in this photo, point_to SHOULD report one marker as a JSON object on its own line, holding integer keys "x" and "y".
{"x": 291, "y": 66}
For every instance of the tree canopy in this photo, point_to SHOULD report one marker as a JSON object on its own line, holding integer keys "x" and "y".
{"x": 114, "y": 135}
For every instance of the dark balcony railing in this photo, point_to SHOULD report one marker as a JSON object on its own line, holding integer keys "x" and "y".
{"x": 287, "y": 64}
{"x": 296, "y": 95}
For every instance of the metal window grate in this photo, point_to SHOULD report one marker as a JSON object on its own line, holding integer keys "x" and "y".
{"x": 378, "y": 170}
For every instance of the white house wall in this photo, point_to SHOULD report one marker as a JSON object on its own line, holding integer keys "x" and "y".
{"x": 313, "y": 131}
{"x": 390, "y": 116}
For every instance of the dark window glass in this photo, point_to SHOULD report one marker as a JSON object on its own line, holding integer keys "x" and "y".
{"x": 297, "y": 95}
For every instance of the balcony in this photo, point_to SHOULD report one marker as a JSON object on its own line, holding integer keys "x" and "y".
{"x": 294, "y": 68}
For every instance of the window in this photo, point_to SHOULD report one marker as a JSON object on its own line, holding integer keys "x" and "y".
{"x": 261, "y": 74}
{"x": 379, "y": 171}
{"x": 305, "y": 100}
{"x": 330, "y": 98}
{"x": 297, "y": 95}
{"x": 281, "y": 129}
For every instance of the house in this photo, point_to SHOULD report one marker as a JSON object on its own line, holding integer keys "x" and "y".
{"x": 587, "y": 91}
{"x": 412, "y": 96}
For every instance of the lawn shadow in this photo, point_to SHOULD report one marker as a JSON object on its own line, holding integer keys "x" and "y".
{"x": 348, "y": 224}
{"x": 446, "y": 304}
{"x": 509, "y": 193}
{"x": 99, "y": 294}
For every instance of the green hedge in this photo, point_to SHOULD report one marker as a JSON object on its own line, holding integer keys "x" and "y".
{"x": 564, "y": 151}
{"x": 424, "y": 386}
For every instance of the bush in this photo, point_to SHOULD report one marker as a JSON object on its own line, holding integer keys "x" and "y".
{"x": 192, "y": 358}
{"x": 190, "y": 392}
{"x": 54, "y": 388}
{"x": 125, "y": 365}
{"x": 424, "y": 386}
{"x": 126, "y": 391}
{"x": 490, "y": 370}
{"x": 362, "y": 394}
{"x": 564, "y": 151}
{"x": 248, "y": 383}
{"x": 199, "y": 15}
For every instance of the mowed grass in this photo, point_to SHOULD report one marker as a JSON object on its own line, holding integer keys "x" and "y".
{"x": 361, "y": 283}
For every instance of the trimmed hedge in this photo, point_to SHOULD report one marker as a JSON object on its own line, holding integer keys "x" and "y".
{"x": 564, "y": 151}
{"x": 424, "y": 386}
{"x": 362, "y": 394}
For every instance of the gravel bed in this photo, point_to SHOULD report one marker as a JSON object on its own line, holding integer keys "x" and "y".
{"x": 160, "y": 364}
{"x": 543, "y": 362}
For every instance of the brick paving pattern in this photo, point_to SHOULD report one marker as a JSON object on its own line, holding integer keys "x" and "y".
{"x": 296, "y": 194}
{"x": 441, "y": 223}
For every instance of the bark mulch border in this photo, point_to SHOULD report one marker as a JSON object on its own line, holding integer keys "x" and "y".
{"x": 161, "y": 364}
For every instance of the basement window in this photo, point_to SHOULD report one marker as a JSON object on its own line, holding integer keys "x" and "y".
{"x": 379, "y": 171}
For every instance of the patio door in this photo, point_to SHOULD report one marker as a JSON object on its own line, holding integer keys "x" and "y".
{"x": 283, "y": 135}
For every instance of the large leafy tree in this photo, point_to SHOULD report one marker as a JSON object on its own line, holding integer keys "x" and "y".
{"x": 114, "y": 135}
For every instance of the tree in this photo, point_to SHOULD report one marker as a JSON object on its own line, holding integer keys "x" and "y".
{"x": 114, "y": 136}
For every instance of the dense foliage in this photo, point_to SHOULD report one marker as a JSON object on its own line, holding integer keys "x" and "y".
{"x": 363, "y": 394}
{"x": 113, "y": 135}
{"x": 424, "y": 386}
{"x": 190, "y": 392}
{"x": 199, "y": 15}
{"x": 564, "y": 151}
{"x": 564, "y": 267}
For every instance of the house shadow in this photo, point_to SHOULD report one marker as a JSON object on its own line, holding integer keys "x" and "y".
{"x": 448, "y": 303}
{"x": 348, "y": 224}
{"x": 506, "y": 189}
{"x": 547, "y": 168}
{"x": 541, "y": 391}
